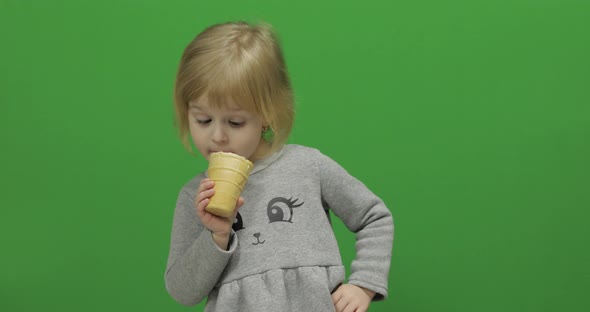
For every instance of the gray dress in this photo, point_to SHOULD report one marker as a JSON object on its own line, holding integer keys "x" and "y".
{"x": 283, "y": 254}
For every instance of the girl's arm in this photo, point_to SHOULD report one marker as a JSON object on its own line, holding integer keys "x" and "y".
{"x": 366, "y": 215}
{"x": 195, "y": 262}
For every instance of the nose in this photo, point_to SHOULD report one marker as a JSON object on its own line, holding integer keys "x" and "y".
{"x": 218, "y": 135}
{"x": 257, "y": 235}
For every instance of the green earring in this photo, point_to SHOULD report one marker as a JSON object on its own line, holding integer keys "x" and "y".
{"x": 267, "y": 133}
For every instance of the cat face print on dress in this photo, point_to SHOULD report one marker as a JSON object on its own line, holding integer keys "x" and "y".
{"x": 278, "y": 209}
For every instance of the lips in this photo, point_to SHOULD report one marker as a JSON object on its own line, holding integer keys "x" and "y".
{"x": 215, "y": 151}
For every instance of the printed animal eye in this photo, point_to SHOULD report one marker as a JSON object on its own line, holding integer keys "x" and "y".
{"x": 238, "y": 223}
{"x": 279, "y": 213}
{"x": 280, "y": 209}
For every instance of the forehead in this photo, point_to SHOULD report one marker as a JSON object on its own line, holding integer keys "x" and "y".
{"x": 204, "y": 104}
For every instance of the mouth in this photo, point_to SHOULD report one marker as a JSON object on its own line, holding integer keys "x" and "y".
{"x": 216, "y": 151}
{"x": 258, "y": 242}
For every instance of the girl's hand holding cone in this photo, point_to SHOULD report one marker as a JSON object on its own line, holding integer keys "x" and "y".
{"x": 220, "y": 227}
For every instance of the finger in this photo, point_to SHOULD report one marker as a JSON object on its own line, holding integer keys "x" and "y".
{"x": 340, "y": 306}
{"x": 202, "y": 201}
{"x": 336, "y": 294}
{"x": 241, "y": 201}
{"x": 349, "y": 308}
{"x": 201, "y": 207}
{"x": 204, "y": 194}
{"x": 336, "y": 297}
{"x": 239, "y": 204}
{"x": 205, "y": 185}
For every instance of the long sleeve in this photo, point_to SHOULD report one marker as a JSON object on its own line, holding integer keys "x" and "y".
{"x": 195, "y": 262}
{"x": 366, "y": 215}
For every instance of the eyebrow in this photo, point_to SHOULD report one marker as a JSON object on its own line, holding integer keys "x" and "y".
{"x": 234, "y": 108}
{"x": 193, "y": 105}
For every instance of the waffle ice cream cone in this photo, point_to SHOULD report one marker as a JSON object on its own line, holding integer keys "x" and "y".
{"x": 230, "y": 173}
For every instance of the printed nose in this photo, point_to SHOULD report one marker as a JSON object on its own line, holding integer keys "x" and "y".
{"x": 257, "y": 235}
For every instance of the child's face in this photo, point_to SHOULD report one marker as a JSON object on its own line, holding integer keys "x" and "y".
{"x": 225, "y": 129}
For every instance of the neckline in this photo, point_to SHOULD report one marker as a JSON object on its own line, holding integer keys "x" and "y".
{"x": 261, "y": 164}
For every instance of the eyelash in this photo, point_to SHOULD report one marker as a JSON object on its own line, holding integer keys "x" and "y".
{"x": 233, "y": 124}
{"x": 236, "y": 124}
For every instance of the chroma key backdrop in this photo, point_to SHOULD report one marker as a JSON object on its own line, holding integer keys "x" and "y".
{"x": 470, "y": 118}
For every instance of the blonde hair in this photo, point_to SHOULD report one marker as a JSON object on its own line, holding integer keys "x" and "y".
{"x": 239, "y": 62}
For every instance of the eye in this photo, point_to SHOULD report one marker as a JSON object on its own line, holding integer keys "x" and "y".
{"x": 236, "y": 124}
{"x": 279, "y": 213}
{"x": 238, "y": 223}
{"x": 280, "y": 209}
{"x": 203, "y": 121}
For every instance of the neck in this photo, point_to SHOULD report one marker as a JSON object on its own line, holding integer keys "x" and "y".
{"x": 262, "y": 151}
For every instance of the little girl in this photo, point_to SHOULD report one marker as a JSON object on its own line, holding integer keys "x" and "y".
{"x": 278, "y": 252}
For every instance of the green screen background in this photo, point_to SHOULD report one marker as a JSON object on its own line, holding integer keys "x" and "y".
{"x": 471, "y": 119}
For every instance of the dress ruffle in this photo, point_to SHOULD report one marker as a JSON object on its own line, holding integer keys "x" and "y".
{"x": 292, "y": 289}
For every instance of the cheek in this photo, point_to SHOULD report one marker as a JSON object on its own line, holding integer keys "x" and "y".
{"x": 250, "y": 140}
{"x": 197, "y": 136}
{"x": 194, "y": 133}
{"x": 256, "y": 134}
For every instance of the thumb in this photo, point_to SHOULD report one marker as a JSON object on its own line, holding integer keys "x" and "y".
{"x": 240, "y": 202}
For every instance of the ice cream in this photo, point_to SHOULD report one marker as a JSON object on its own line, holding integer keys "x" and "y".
{"x": 230, "y": 173}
